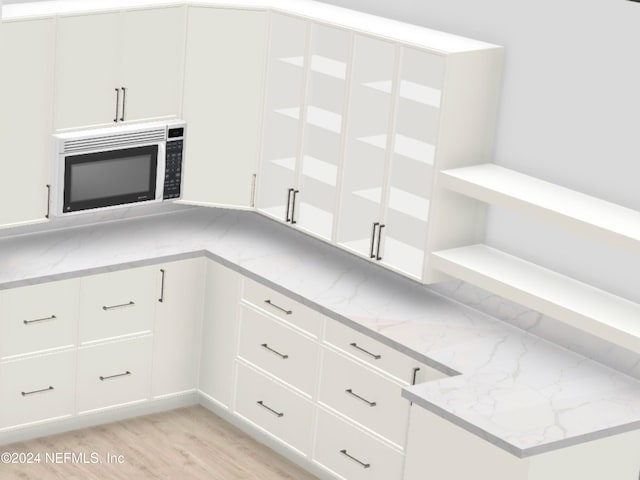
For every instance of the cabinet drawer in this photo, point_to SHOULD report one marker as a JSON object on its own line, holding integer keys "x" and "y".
{"x": 282, "y": 307}
{"x": 116, "y": 303}
{"x": 37, "y": 388}
{"x": 114, "y": 373}
{"x": 276, "y": 409}
{"x": 351, "y": 453}
{"x": 364, "y": 396}
{"x": 377, "y": 354}
{"x": 38, "y": 317}
{"x": 280, "y": 350}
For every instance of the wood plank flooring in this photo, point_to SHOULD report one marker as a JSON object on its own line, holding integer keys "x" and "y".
{"x": 184, "y": 444}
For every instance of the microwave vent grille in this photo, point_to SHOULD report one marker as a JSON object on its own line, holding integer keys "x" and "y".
{"x": 113, "y": 141}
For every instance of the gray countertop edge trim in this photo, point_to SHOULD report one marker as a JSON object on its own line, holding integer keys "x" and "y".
{"x": 509, "y": 447}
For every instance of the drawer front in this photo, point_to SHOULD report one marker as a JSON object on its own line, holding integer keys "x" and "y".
{"x": 37, "y": 388}
{"x": 351, "y": 453}
{"x": 280, "y": 350}
{"x": 282, "y": 307}
{"x": 278, "y": 410}
{"x": 364, "y": 396}
{"x": 39, "y": 317}
{"x": 378, "y": 355}
{"x": 114, "y": 373}
{"x": 117, "y": 303}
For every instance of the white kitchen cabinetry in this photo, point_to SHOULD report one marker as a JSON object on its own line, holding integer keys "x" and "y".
{"x": 223, "y": 91}
{"x": 25, "y": 119}
{"x": 302, "y": 137}
{"x": 178, "y": 320}
{"x": 118, "y": 67}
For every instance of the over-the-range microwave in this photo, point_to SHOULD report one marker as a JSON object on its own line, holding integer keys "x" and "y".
{"x": 117, "y": 166}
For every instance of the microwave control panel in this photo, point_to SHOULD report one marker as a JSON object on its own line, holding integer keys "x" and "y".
{"x": 173, "y": 164}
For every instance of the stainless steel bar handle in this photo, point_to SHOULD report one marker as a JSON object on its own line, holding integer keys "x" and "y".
{"x": 415, "y": 374}
{"x": 48, "y": 201}
{"x": 117, "y": 104}
{"x": 109, "y": 377}
{"x": 124, "y": 102}
{"x": 48, "y": 389}
{"x": 378, "y": 257}
{"x": 293, "y": 207}
{"x": 373, "y": 240}
{"x": 350, "y": 392}
{"x": 357, "y": 347}
{"x": 264, "y": 345}
{"x": 111, "y": 307}
{"x": 275, "y": 412}
{"x": 362, "y": 464}
{"x": 252, "y": 202}
{"x": 289, "y": 192}
{"x": 29, "y": 322}
{"x": 161, "y": 299}
{"x": 287, "y": 312}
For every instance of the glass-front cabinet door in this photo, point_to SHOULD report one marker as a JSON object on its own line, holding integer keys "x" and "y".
{"x": 284, "y": 101}
{"x": 366, "y": 144}
{"x": 322, "y": 130}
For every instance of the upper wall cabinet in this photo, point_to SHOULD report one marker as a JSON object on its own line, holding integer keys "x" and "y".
{"x": 223, "y": 91}
{"x": 25, "y": 119}
{"x": 303, "y": 129}
{"x": 118, "y": 67}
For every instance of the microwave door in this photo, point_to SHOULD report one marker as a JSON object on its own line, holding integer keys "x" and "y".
{"x": 110, "y": 178}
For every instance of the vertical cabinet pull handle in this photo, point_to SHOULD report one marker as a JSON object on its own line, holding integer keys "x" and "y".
{"x": 293, "y": 207}
{"x": 48, "y": 389}
{"x": 378, "y": 257}
{"x": 415, "y": 374}
{"x": 111, "y": 307}
{"x": 373, "y": 241}
{"x": 124, "y": 102}
{"x": 117, "y": 104}
{"x": 357, "y": 347}
{"x": 362, "y": 464}
{"x": 28, "y": 322}
{"x": 267, "y": 347}
{"x": 350, "y": 392}
{"x": 284, "y": 310}
{"x": 289, "y": 192}
{"x": 252, "y": 202}
{"x": 275, "y": 412}
{"x": 161, "y": 299}
{"x": 48, "y": 201}
{"x": 109, "y": 377}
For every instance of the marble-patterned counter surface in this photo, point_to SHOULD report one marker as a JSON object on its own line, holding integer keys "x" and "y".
{"x": 520, "y": 392}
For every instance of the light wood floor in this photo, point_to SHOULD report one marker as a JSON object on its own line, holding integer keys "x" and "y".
{"x": 185, "y": 444}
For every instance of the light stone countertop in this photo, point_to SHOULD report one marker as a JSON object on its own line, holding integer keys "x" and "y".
{"x": 524, "y": 394}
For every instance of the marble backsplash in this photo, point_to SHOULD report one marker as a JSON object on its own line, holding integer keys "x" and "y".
{"x": 602, "y": 351}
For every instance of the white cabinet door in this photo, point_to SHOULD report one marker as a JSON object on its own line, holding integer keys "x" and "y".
{"x": 86, "y": 70}
{"x": 370, "y": 110}
{"x": 223, "y": 91}
{"x": 219, "y": 332}
{"x": 176, "y": 335}
{"x": 25, "y": 119}
{"x": 284, "y": 102}
{"x": 152, "y": 43}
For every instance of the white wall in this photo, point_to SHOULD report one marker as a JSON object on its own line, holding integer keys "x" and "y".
{"x": 570, "y": 112}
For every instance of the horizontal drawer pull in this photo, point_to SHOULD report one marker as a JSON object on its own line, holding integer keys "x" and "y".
{"x": 29, "y": 322}
{"x": 105, "y": 308}
{"x": 350, "y": 457}
{"x": 287, "y": 312}
{"x": 284, "y": 357}
{"x": 350, "y": 392}
{"x": 48, "y": 389}
{"x": 115, "y": 376}
{"x": 275, "y": 412}
{"x": 355, "y": 345}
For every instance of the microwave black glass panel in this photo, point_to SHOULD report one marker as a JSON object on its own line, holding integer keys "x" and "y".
{"x": 104, "y": 179}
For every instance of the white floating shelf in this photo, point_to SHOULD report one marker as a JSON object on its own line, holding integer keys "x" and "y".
{"x": 588, "y": 215}
{"x": 319, "y": 64}
{"x": 410, "y": 91}
{"x": 406, "y": 146}
{"x": 319, "y": 170}
{"x": 563, "y": 298}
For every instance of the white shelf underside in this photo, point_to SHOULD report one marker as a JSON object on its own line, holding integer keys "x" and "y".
{"x": 597, "y": 218}
{"x": 570, "y": 301}
{"x": 410, "y": 91}
{"x": 316, "y": 116}
{"x": 319, "y": 64}
{"x": 406, "y": 146}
